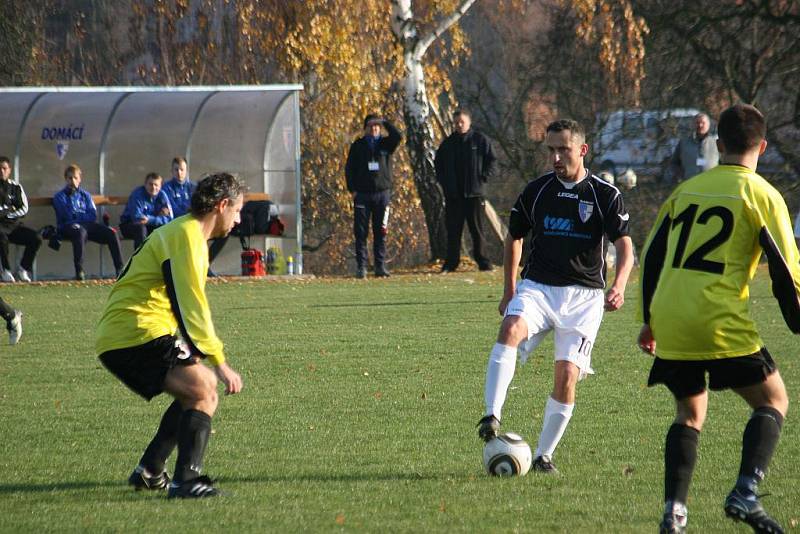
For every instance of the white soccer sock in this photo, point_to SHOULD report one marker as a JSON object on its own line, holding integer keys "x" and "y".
{"x": 499, "y": 372}
{"x": 556, "y": 419}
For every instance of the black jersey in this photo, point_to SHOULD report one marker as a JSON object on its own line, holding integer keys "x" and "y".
{"x": 567, "y": 227}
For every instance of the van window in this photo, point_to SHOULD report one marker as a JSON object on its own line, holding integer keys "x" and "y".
{"x": 632, "y": 127}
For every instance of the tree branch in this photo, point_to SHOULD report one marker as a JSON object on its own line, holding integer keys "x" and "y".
{"x": 443, "y": 26}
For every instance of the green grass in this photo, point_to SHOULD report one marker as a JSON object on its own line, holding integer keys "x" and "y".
{"x": 359, "y": 414}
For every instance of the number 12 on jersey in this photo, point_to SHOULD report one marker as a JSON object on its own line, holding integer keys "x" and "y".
{"x": 697, "y": 259}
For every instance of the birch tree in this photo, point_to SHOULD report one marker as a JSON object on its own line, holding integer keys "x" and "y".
{"x": 417, "y": 110}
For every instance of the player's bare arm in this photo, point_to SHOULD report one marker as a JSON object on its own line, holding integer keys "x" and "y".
{"x": 615, "y": 297}
{"x": 229, "y": 377}
{"x": 512, "y": 253}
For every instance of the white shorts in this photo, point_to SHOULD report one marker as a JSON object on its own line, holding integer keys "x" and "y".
{"x": 573, "y": 312}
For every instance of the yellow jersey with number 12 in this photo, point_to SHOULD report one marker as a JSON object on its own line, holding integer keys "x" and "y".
{"x": 700, "y": 257}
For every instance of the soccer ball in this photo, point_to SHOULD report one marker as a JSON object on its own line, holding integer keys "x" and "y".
{"x": 627, "y": 180}
{"x": 507, "y": 455}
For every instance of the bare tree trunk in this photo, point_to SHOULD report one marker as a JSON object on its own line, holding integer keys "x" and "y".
{"x": 417, "y": 115}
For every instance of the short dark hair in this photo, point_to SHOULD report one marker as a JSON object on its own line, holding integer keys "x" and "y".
{"x": 741, "y": 128}
{"x": 573, "y": 126}
{"x": 152, "y": 176}
{"x": 70, "y": 170}
{"x": 4, "y": 159}
{"x": 214, "y": 189}
{"x": 370, "y": 117}
{"x": 462, "y": 111}
{"x": 178, "y": 160}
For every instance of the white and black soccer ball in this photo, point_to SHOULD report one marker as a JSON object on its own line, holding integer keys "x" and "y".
{"x": 507, "y": 455}
{"x": 627, "y": 180}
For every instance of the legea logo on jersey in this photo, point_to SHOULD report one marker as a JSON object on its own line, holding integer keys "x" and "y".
{"x": 558, "y": 224}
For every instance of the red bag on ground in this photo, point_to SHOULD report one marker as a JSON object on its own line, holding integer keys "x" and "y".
{"x": 253, "y": 262}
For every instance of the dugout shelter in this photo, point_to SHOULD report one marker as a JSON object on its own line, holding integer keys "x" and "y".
{"x": 117, "y": 135}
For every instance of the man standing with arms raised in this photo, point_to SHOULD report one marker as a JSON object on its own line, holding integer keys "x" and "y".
{"x": 368, "y": 172}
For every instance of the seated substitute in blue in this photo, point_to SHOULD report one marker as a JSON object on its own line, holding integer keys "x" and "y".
{"x": 179, "y": 190}
{"x": 76, "y": 221}
{"x": 148, "y": 208}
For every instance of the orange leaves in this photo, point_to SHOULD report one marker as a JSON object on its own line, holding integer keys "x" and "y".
{"x": 619, "y": 34}
{"x": 342, "y": 51}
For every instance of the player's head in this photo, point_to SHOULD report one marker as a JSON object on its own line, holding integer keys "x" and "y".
{"x": 742, "y": 130}
{"x": 72, "y": 175}
{"x": 5, "y": 168}
{"x": 462, "y": 120}
{"x": 152, "y": 183}
{"x": 566, "y": 146}
{"x": 220, "y": 196}
{"x": 179, "y": 168}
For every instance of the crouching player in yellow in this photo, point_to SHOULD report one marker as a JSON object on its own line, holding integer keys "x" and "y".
{"x": 160, "y": 295}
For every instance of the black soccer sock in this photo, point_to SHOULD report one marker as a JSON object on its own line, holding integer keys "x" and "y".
{"x": 156, "y": 454}
{"x": 758, "y": 443}
{"x": 193, "y": 432}
{"x": 6, "y": 311}
{"x": 680, "y": 456}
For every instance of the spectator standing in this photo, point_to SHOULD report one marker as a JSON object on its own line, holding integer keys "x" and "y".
{"x": 464, "y": 163}
{"x": 148, "y": 208}
{"x": 13, "y": 208}
{"x": 696, "y": 153}
{"x": 369, "y": 179}
{"x": 76, "y": 221}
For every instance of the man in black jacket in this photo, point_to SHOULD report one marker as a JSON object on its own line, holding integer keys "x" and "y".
{"x": 464, "y": 163}
{"x": 369, "y": 179}
{"x": 13, "y": 207}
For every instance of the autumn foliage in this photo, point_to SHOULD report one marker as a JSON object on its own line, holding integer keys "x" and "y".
{"x": 545, "y": 59}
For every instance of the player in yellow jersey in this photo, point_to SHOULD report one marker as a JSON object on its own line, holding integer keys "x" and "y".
{"x": 697, "y": 265}
{"x": 159, "y": 296}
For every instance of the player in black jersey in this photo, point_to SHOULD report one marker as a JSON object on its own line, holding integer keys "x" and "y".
{"x": 565, "y": 213}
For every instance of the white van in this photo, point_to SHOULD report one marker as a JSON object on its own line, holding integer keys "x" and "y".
{"x": 641, "y": 140}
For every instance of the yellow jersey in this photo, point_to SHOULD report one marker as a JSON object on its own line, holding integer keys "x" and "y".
{"x": 700, "y": 257}
{"x": 162, "y": 291}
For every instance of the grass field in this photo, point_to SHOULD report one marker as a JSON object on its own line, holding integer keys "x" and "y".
{"x": 358, "y": 414}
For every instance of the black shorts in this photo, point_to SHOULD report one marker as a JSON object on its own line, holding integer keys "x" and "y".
{"x": 143, "y": 368}
{"x": 686, "y": 378}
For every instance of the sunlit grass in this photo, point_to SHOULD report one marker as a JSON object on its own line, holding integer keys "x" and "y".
{"x": 359, "y": 413}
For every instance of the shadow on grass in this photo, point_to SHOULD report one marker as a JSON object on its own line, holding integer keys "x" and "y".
{"x": 375, "y": 304}
{"x": 371, "y": 304}
{"x": 355, "y": 477}
{"x": 258, "y": 479}
{"x": 61, "y": 486}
